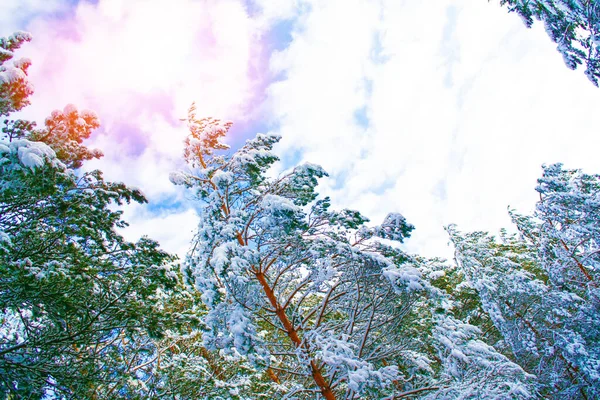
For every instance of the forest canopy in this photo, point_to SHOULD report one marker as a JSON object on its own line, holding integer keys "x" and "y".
{"x": 282, "y": 295}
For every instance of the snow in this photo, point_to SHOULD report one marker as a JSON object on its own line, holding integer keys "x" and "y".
{"x": 88, "y": 114}
{"x": 33, "y": 154}
{"x": 30, "y": 159}
{"x": 69, "y": 108}
{"x": 30, "y": 154}
{"x": 406, "y": 277}
{"x": 10, "y": 75}
{"x": 4, "y": 237}
{"x": 437, "y": 274}
{"x": 22, "y": 63}
{"x": 12, "y": 328}
{"x": 273, "y": 203}
{"x": 179, "y": 178}
{"x": 20, "y": 36}
{"x": 221, "y": 177}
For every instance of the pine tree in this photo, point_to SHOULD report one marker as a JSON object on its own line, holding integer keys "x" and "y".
{"x": 469, "y": 356}
{"x": 80, "y": 307}
{"x": 183, "y": 368}
{"x": 574, "y": 25}
{"x": 327, "y": 306}
{"x": 540, "y": 288}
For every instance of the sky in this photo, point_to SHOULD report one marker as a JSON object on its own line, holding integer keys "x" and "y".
{"x": 441, "y": 110}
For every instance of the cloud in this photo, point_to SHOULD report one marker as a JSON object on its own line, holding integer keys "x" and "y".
{"x": 173, "y": 229}
{"x": 120, "y": 55}
{"x": 14, "y": 14}
{"x": 460, "y": 106}
{"x": 324, "y": 69}
{"x": 443, "y": 112}
{"x": 139, "y": 64}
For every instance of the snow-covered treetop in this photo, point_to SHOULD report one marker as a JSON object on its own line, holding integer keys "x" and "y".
{"x": 569, "y": 211}
{"x": 394, "y": 227}
{"x": 204, "y": 137}
{"x": 14, "y": 87}
{"x": 540, "y": 288}
{"x": 65, "y": 132}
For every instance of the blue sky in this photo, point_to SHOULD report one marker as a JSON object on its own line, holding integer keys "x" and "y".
{"x": 443, "y": 111}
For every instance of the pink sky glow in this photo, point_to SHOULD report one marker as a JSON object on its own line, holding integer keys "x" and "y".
{"x": 139, "y": 65}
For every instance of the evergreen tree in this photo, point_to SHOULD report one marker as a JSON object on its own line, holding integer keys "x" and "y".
{"x": 321, "y": 302}
{"x": 574, "y": 25}
{"x": 182, "y": 368}
{"x": 79, "y": 305}
{"x": 540, "y": 288}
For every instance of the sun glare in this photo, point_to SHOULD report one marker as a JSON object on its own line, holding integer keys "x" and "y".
{"x": 121, "y": 52}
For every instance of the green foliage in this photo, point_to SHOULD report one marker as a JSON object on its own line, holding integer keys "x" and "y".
{"x": 81, "y": 309}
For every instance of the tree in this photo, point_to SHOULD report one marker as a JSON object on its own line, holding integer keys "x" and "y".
{"x": 325, "y": 305}
{"x": 473, "y": 369}
{"x": 464, "y": 345}
{"x": 79, "y": 305}
{"x": 574, "y": 25}
{"x": 182, "y": 368}
{"x": 464, "y": 299}
{"x": 540, "y": 288}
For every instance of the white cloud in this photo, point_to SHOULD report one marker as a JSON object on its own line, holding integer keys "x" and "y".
{"x": 325, "y": 68}
{"x": 14, "y": 13}
{"x": 442, "y": 110}
{"x": 139, "y": 64}
{"x": 173, "y": 230}
{"x": 466, "y": 104}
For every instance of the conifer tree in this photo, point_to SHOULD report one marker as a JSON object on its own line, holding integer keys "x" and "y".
{"x": 327, "y": 306}
{"x": 540, "y": 288}
{"x": 79, "y": 306}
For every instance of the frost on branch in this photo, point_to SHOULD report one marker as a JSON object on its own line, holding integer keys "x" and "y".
{"x": 405, "y": 278}
{"x": 340, "y": 354}
{"x": 255, "y": 158}
{"x": 303, "y": 181}
{"x": 394, "y": 227}
{"x": 24, "y": 154}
